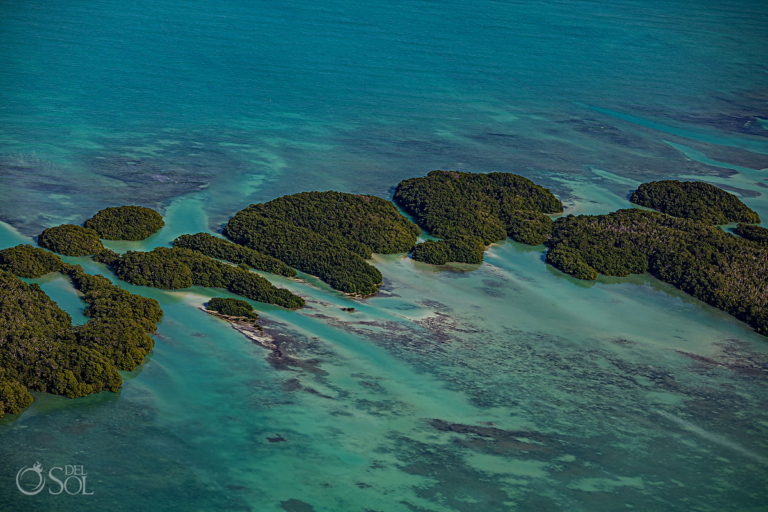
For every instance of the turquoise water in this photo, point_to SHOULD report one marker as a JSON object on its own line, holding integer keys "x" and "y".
{"x": 503, "y": 386}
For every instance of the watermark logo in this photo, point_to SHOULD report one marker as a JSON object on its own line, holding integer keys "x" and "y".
{"x": 38, "y": 470}
{"x": 71, "y": 479}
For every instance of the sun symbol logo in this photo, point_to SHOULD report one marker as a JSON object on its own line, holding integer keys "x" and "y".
{"x": 37, "y": 468}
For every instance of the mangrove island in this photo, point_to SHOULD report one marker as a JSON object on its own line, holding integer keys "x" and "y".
{"x": 41, "y": 350}
{"x": 470, "y": 211}
{"x": 125, "y": 223}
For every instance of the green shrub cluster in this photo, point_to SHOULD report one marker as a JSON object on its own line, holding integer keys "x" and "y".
{"x": 466, "y": 250}
{"x": 13, "y": 395}
{"x": 126, "y": 223}
{"x": 232, "y": 307}
{"x": 570, "y": 261}
{"x": 219, "y": 248}
{"x": 120, "y": 322}
{"x": 701, "y": 259}
{"x": 176, "y": 268}
{"x": 41, "y": 350}
{"x": 29, "y": 261}
{"x": 330, "y": 259}
{"x": 70, "y": 240}
{"x": 751, "y": 232}
{"x": 364, "y": 224}
{"x": 490, "y": 207}
{"x": 694, "y": 200}
{"x": 528, "y": 227}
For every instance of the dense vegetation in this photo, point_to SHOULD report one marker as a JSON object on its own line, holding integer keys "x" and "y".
{"x": 694, "y": 200}
{"x": 177, "y": 268}
{"x": 70, "y": 240}
{"x": 232, "y": 307}
{"x": 701, "y": 259}
{"x": 120, "y": 322}
{"x": 29, "y": 261}
{"x": 488, "y": 207}
{"x": 126, "y": 223}
{"x": 364, "y": 224}
{"x": 225, "y": 250}
{"x": 13, "y": 395}
{"x": 41, "y": 350}
{"x": 467, "y": 250}
{"x": 755, "y": 233}
{"x": 335, "y": 259}
{"x": 570, "y": 261}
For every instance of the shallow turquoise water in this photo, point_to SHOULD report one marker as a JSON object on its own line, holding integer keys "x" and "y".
{"x": 548, "y": 393}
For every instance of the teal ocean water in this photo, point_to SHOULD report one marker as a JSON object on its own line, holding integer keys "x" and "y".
{"x": 503, "y": 386}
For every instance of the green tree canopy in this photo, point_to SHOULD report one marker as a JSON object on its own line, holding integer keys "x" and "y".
{"x": 694, "y": 200}
{"x": 488, "y": 207}
{"x": 126, "y": 223}
{"x": 701, "y": 259}
{"x": 41, "y": 350}
{"x": 336, "y": 259}
{"x": 232, "y": 307}
{"x": 29, "y": 261}
{"x": 219, "y": 248}
{"x": 751, "y": 232}
{"x": 176, "y": 268}
{"x": 350, "y": 219}
{"x": 70, "y": 240}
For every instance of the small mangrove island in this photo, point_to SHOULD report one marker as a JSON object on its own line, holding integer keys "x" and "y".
{"x": 70, "y": 240}
{"x": 40, "y": 349}
{"x": 221, "y": 249}
{"x": 125, "y": 223}
{"x": 241, "y": 316}
{"x": 234, "y": 308}
{"x": 694, "y": 200}
{"x": 176, "y": 268}
{"x": 470, "y": 211}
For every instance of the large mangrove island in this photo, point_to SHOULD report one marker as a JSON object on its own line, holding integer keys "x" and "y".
{"x": 326, "y": 234}
{"x": 697, "y": 257}
{"x": 469, "y": 211}
{"x": 41, "y": 350}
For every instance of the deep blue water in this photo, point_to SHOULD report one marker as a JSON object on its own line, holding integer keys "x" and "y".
{"x": 199, "y": 108}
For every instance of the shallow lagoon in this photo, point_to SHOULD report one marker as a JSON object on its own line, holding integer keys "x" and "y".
{"x": 505, "y": 386}
{"x": 566, "y": 395}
